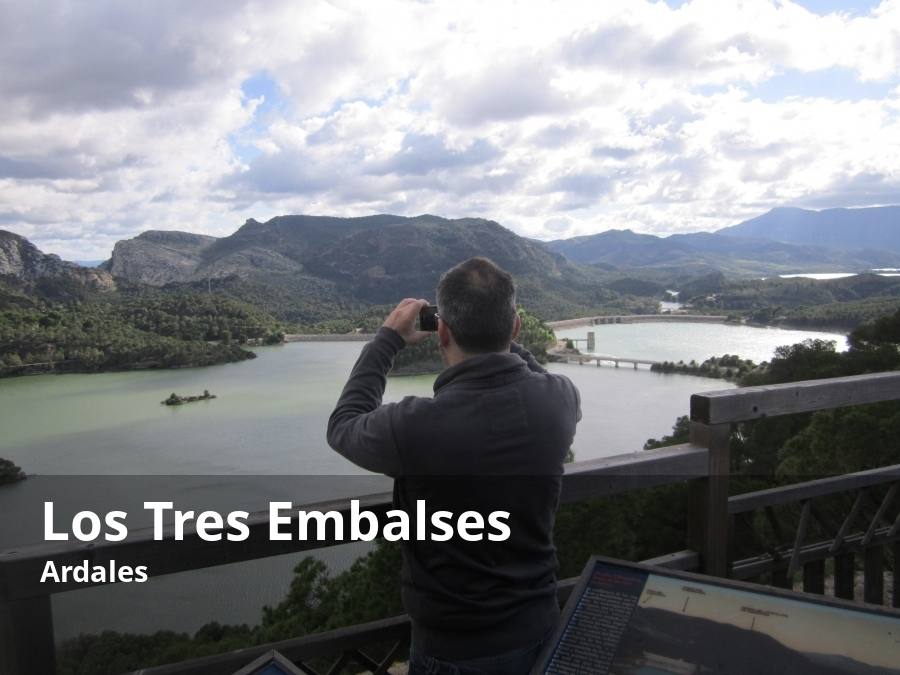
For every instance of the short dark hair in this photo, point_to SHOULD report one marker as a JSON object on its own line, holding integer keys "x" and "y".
{"x": 477, "y": 300}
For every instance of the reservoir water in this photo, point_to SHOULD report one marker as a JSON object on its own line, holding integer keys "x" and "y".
{"x": 674, "y": 341}
{"x": 263, "y": 439}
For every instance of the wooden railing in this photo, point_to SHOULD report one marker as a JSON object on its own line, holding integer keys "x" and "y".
{"x": 26, "y": 618}
{"x": 713, "y": 413}
{"x": 782, "y": 562}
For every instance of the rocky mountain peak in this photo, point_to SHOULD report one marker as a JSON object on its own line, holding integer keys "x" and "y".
{"x": 158, "y": 257}
{"x": 26, "y": 265}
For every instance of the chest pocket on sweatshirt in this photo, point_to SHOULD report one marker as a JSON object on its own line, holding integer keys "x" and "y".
{"x": 507, "y": 413}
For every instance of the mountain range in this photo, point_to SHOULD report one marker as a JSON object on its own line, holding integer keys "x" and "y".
{"x": 784, "y": 240}
{"x": 875, "y": 228}
{"x": 311, "y": 268}
{"x": 742, "y": 256}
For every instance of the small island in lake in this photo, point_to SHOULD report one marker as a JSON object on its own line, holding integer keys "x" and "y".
{"x": 175, "y": 399}
{"x": 9, "y": 472}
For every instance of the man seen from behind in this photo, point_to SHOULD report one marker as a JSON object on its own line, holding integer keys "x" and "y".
{"x": 493, "y": 437}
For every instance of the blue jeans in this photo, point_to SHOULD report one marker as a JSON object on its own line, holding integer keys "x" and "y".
{"x": 516, "y": 662}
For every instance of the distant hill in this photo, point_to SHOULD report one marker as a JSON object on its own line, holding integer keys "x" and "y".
{"x": 701, "y": 251}
{"x": 25, "y": 268}
{"x": 306, "y": 268}
{"x": 876, "y": 228}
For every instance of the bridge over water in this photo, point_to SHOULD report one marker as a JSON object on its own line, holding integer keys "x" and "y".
{"x": 599, "y": 359}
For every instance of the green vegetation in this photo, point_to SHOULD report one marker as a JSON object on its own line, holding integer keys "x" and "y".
{"x": 835, "y": 303}
{"x": 883, "y": 332}
{"x": 727, "y": 367}
{"x": 299, "y": 302}
{"x": 641, "y": 288}
{"x": 9, "y": 472}
{"x": 840, "y": 315}
{"x": 195, "y": 315}
{"x": 367, "y": 320}
{"x": 425, "y": 357}
{"x": 175, "y": 399}
{"x": 535, "y": 335}
{"x": 129, "y": 331}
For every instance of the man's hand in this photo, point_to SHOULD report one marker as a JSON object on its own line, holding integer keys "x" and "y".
{"x": 403, "y": 320}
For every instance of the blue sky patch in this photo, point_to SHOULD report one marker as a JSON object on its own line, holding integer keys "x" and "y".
{"x": 823, "y": 7}
{"x": 835, "y": 83}
{"x": 820, "y": 7}
{"x": 260, "y": 84}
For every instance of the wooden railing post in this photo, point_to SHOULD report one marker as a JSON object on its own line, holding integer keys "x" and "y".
{"x": 26, "y": 636}
{"x": 708, "y": 522}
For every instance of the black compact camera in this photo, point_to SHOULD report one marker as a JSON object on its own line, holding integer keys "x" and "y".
{"x": 428, "y": 318}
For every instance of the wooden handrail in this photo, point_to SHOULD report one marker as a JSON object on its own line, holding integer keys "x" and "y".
{"x": 819, "y": 487}
{"x": 750, "y": 403}
{"x": 607, "y": 476}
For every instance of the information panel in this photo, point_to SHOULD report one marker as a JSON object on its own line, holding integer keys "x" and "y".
{"x": 628, "y": 618}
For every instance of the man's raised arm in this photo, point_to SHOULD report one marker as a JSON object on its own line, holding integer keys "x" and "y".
{"x": 360, "y": 428}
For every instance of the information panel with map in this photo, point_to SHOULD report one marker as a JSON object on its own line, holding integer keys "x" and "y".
{"x": 630, "y": 618}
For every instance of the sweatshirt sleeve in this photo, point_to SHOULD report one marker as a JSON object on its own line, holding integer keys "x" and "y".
{"x": 360, "y": 428}
{"x": 527, "y": 356}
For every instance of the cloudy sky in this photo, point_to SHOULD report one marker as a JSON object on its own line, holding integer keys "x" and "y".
{"x": 553, "y": 118}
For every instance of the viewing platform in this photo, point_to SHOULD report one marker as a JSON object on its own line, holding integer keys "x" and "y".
{"x": 867, "y": 532}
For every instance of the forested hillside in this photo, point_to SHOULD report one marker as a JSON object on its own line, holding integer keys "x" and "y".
{"x": 128, "y": 331}
{"x": 840, "y": 303}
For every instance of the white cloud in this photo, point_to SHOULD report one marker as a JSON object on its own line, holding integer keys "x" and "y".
{"x": 553, "y": 118}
